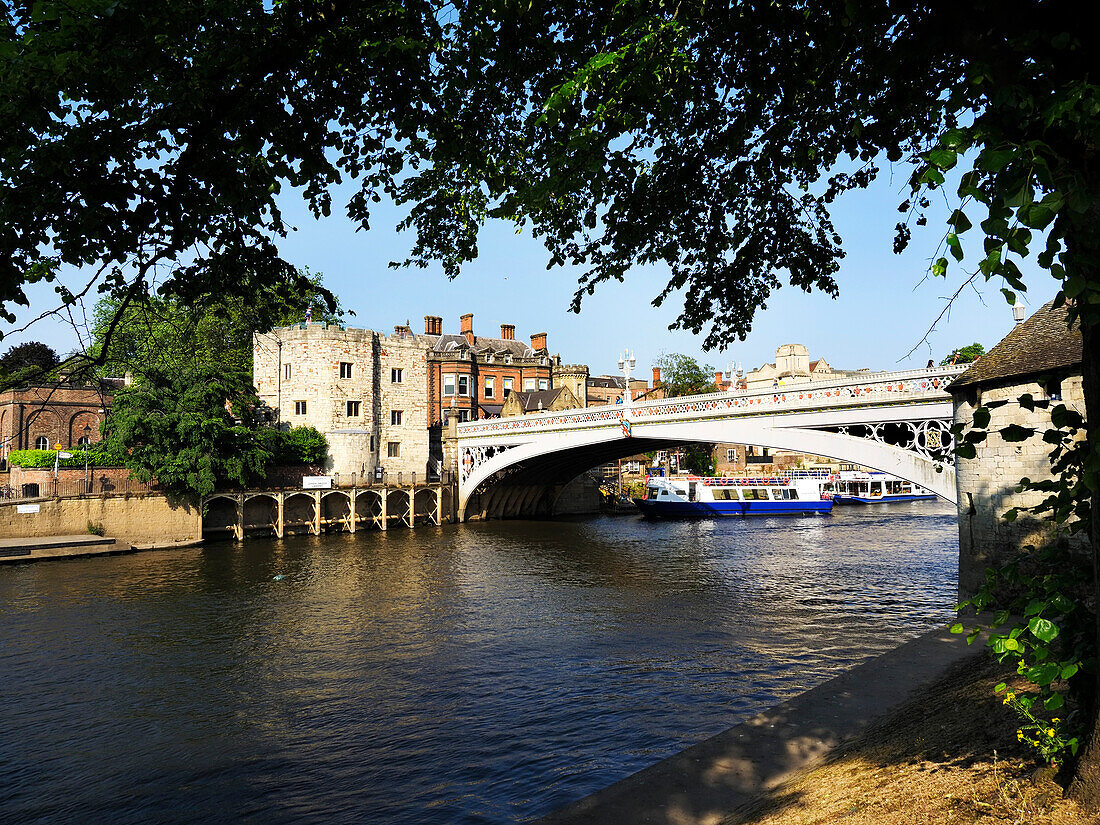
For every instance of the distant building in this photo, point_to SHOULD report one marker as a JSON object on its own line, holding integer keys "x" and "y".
{"x": 364, "y": 390}
{"x": 1041, "y": 357}
{"x": 792, "y": 366}
{"x": 608, "y": 389}
{"x": 552, "y": 400}
{"x": 43, "y": 416}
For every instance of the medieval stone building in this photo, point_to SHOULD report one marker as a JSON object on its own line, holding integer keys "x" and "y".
{"x": 1040, "y": 357}
{"x": 364, "y": 390}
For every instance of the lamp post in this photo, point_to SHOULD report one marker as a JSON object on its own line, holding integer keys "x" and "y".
{"x": 626, "y": 366}
{"x": 87, "y": 444}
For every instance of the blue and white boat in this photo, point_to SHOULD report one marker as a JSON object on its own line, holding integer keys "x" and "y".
{"x": 855, "y": 487}
{"x": 703, "y": 496}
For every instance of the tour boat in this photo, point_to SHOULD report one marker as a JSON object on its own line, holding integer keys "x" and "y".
{"x": 695, "y": 496}
{"x": 854, "y": 487}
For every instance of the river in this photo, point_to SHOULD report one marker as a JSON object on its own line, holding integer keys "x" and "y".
{"x": 478, "y": 673}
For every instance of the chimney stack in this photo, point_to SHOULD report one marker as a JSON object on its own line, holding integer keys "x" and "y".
{"x": 467, "y": 327}
{"x": 656, "y": 376}
{"x": 718, "y": 382}
{"x": 508, "y": 332}
{"x": 538, "y": 341}
{"x": 433, "y": 325}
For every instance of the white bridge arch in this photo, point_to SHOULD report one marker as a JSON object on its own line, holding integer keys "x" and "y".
{"x": 896, "y": 422}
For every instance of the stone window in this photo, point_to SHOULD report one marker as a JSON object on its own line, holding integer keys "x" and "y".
{"x": 544, "y": 383}
{"x": 1053, "y": 389}
{"x": 345, "y": 371}
{"x": 449, "y": 383}
{"x": 286, "y": 371}
{"x": 395, "y": 417}
{"x": 353, "y": 409}
{"x": 299, "y": 407}
{"x": 490, "y": 387}
{"x": 42, "y": 443}
{"x": 528, "y": 384}
{"x": 393, "y": 449}
{"x": 508, "y": 382}
{"x": 397, "y": 376}
{"x": 731, "y": 456}
{"x": 463, "y": 385}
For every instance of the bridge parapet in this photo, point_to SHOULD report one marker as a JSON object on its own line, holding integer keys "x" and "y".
{"x": 873, "y": 389}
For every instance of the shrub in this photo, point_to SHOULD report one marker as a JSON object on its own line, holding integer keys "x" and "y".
{"x": 97, "y": 457}
{"x": 96, "y": 528}
{"x": 298, "y": 445}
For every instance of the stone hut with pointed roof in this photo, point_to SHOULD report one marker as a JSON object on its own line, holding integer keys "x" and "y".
{"x": 1040, "y": 357}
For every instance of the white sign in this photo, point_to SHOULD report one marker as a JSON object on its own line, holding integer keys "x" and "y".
{"x": 64, "y": 455}
{"x": 316, "y": 482}
{"x": 27, "y": 508}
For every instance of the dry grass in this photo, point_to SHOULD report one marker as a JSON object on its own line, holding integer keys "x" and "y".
{"x": 948, "y": 756}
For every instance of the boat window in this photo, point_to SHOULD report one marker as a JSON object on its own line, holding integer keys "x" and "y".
{"x": 790, "y": 495}
{"x": 721, "y": 495}
{"x": 777, "y": 494}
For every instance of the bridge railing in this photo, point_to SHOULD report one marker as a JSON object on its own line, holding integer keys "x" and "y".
{"x": 863, "y": 390}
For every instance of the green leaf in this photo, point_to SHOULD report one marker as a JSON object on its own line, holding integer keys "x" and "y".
{"x": 1035, "y": 607}
{"x": 1069, "y": 671}
{"x": 1043, "y": 674}
{"x": 1010, "y": 296}
{"x": 955, "y": 247}
{"x": 994, "y": 160}
{"x": 957, "y": 627}
{"x": 943, "y": 158}
{"x": 1000, "y": 686}
{"x": 959, "y": 220}
{"x": 1054, "y": 701}
{"x": 1043, "y": 629}
{"x": 981, "y": 417}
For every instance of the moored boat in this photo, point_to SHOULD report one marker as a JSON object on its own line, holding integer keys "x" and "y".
{"x": 703, "y": 496}
{"x": 855, "y": 487}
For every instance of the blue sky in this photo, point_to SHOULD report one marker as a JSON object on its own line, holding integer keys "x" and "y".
{"x": 885, "y": 305}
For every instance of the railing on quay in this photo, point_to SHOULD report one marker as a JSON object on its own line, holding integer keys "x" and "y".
{"x": 872, "y": 388}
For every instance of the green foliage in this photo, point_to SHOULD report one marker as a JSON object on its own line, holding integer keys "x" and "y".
{"x": 683, "y": 375}
{"x": 1052, "y": 641}
{"x": 29, "y": 363}
{"x": 97, "y": 456}
{"x": 170, "y": 335}
{"x": 96, "y": 528}
{"x": 964, "y": 355}
{"x": 176, "y": 428}
{"x": 298, "y": 445}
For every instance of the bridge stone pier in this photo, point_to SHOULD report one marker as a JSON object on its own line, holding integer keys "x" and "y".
{"x": 896, "y": 422}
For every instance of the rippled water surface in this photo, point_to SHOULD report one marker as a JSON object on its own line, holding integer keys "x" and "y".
{"x": 482, "y": 673}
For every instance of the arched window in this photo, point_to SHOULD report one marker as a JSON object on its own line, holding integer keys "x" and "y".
{"x": 42, "y": 443}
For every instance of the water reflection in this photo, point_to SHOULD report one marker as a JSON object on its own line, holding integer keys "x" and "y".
{"x": 479, "y": 673}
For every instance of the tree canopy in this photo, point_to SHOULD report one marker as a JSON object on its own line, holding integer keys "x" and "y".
{"x": 964, "y": 355}
{"x": 166, "y": 333}
{"x": 683, "y": 375}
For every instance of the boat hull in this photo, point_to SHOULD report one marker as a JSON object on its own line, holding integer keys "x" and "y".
{"x": 711, "y": 509}
{"x": 839, "y": 498}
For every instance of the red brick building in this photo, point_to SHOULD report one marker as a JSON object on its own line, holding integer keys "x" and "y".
{"x": 42, "y": 417}
{"x": 470, "y": 376}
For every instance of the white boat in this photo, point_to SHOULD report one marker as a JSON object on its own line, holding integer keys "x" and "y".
{"x": 702, "y": 496}
{"x": 857, "y": 487}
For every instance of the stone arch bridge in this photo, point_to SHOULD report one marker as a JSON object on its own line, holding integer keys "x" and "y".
{"x": 896, "y": 422}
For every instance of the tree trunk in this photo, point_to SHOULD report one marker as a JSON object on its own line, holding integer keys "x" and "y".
{"x": 1083, "y": 248}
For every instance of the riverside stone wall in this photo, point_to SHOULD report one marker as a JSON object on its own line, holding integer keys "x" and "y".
{"x": 987, "y": 483}
{"x": 144, "y": 520}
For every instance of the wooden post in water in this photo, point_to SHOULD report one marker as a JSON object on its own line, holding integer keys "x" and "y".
{"x": 317, "y": 513}
{"x": 239, "y": 532}
{"x": 351, "y": 511}
{"x": 279, "y": 524}
{"x": 385, "y": 498}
